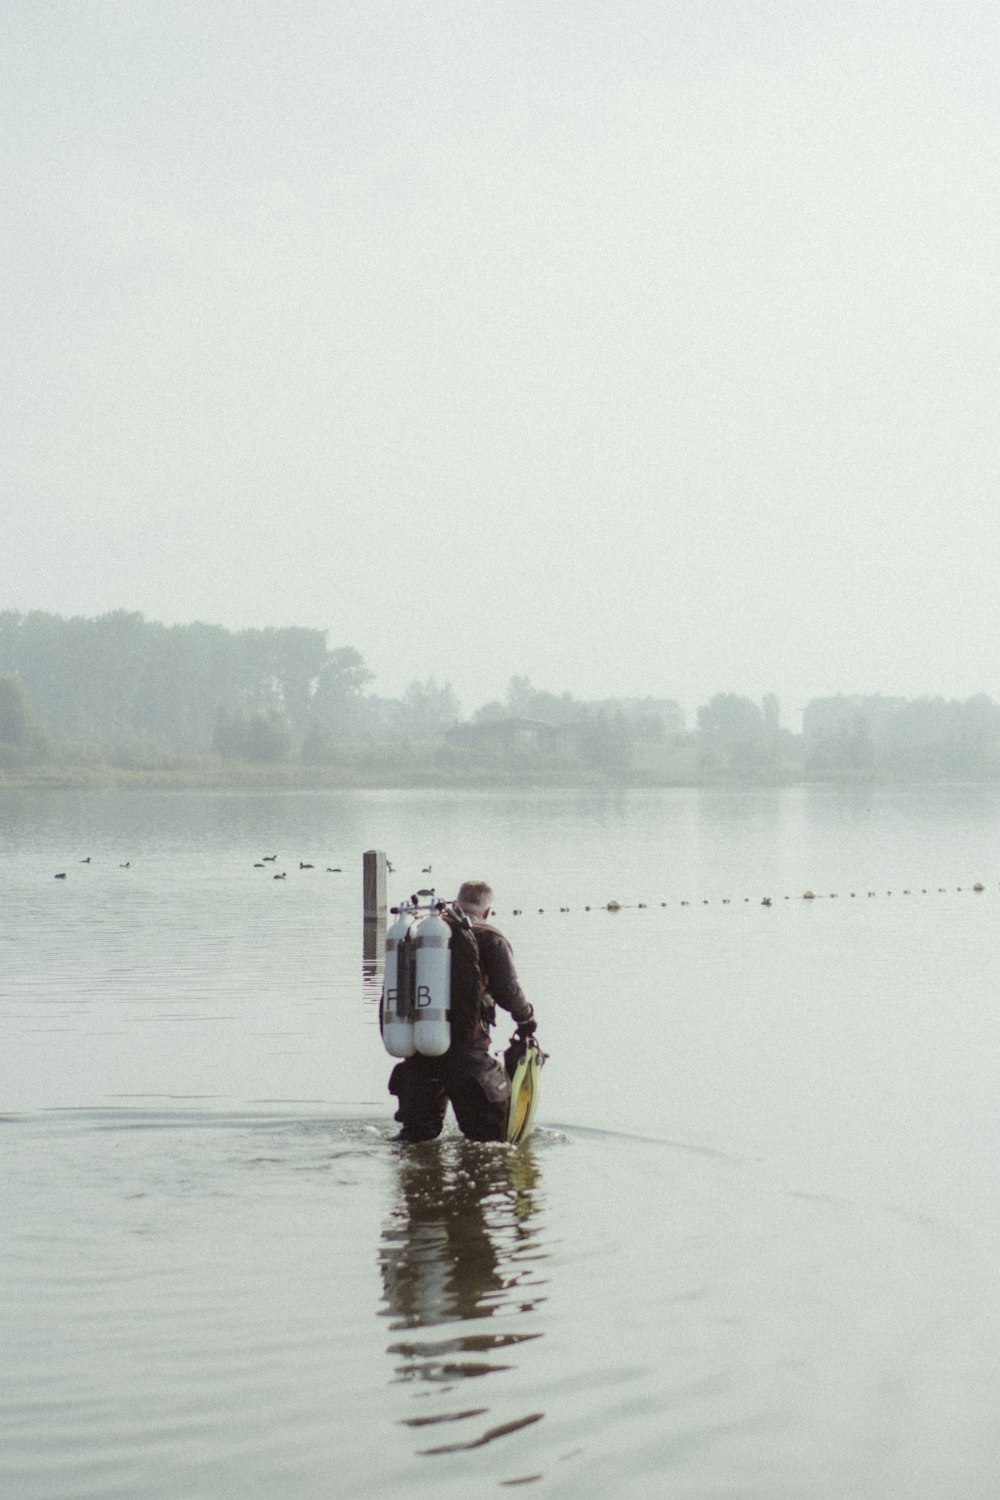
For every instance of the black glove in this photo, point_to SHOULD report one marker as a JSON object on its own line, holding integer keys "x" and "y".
{"x": 526, "y": 1028}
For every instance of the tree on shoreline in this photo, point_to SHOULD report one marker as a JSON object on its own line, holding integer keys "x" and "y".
{"x": 124, "y": 690}
{"x": 22, "y": 739}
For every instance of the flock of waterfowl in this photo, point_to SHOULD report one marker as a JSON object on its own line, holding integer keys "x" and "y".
{"x": 261, "y": 864}
{"x": 271, "y": 859}
{"x": 61, "y": 874}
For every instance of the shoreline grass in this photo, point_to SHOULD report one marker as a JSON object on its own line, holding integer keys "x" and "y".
{"x": 213, "y": 772}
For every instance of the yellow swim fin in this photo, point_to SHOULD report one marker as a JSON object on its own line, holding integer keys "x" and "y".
{"x": 524, "y": 1090}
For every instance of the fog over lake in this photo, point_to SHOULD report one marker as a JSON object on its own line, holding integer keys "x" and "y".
{"x": 642, "y": 348}
{"x": 638, "y": 351}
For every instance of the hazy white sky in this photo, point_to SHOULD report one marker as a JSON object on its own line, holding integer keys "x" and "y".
{"x": 655, "y": 344}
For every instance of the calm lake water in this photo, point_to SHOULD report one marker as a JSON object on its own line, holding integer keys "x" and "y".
{"x": 752, "y": 1250}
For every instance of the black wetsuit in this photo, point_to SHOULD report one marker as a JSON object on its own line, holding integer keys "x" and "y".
{"x": 475, "y": 1082}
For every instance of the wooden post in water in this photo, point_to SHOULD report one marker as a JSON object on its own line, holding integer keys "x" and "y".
{"x": 374, "y": 901}
{"x": 374, "y": 885}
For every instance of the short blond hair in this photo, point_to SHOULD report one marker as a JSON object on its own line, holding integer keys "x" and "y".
{"x": 476, "y": 895}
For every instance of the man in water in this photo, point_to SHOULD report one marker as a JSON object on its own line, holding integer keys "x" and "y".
{"x": 476, "y": 1083}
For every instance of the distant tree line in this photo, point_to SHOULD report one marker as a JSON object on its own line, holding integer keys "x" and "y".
{"x": 23, "y": 742}
{"x": 896, "y": 738}
{"x": 124, "y": 689}
{"x": 123, "y": 682}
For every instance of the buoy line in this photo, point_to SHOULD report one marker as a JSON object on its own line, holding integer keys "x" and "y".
{"x": 942, "y": 890}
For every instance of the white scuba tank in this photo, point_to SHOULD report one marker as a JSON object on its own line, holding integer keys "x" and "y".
{"x": 432, "y": 986}
{"x": 398, "y": 1030}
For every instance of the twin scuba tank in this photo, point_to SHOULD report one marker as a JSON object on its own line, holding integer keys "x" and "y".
{"x": 416, "y": 997}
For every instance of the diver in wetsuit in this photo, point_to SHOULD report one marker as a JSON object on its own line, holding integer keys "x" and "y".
{"x": 467, "y": 1075}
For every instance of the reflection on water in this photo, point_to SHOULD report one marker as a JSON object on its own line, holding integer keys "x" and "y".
{"x": 462, "y": 1245}
{"x": 783, "y": 1223}
{"x": 372, "y": 965}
